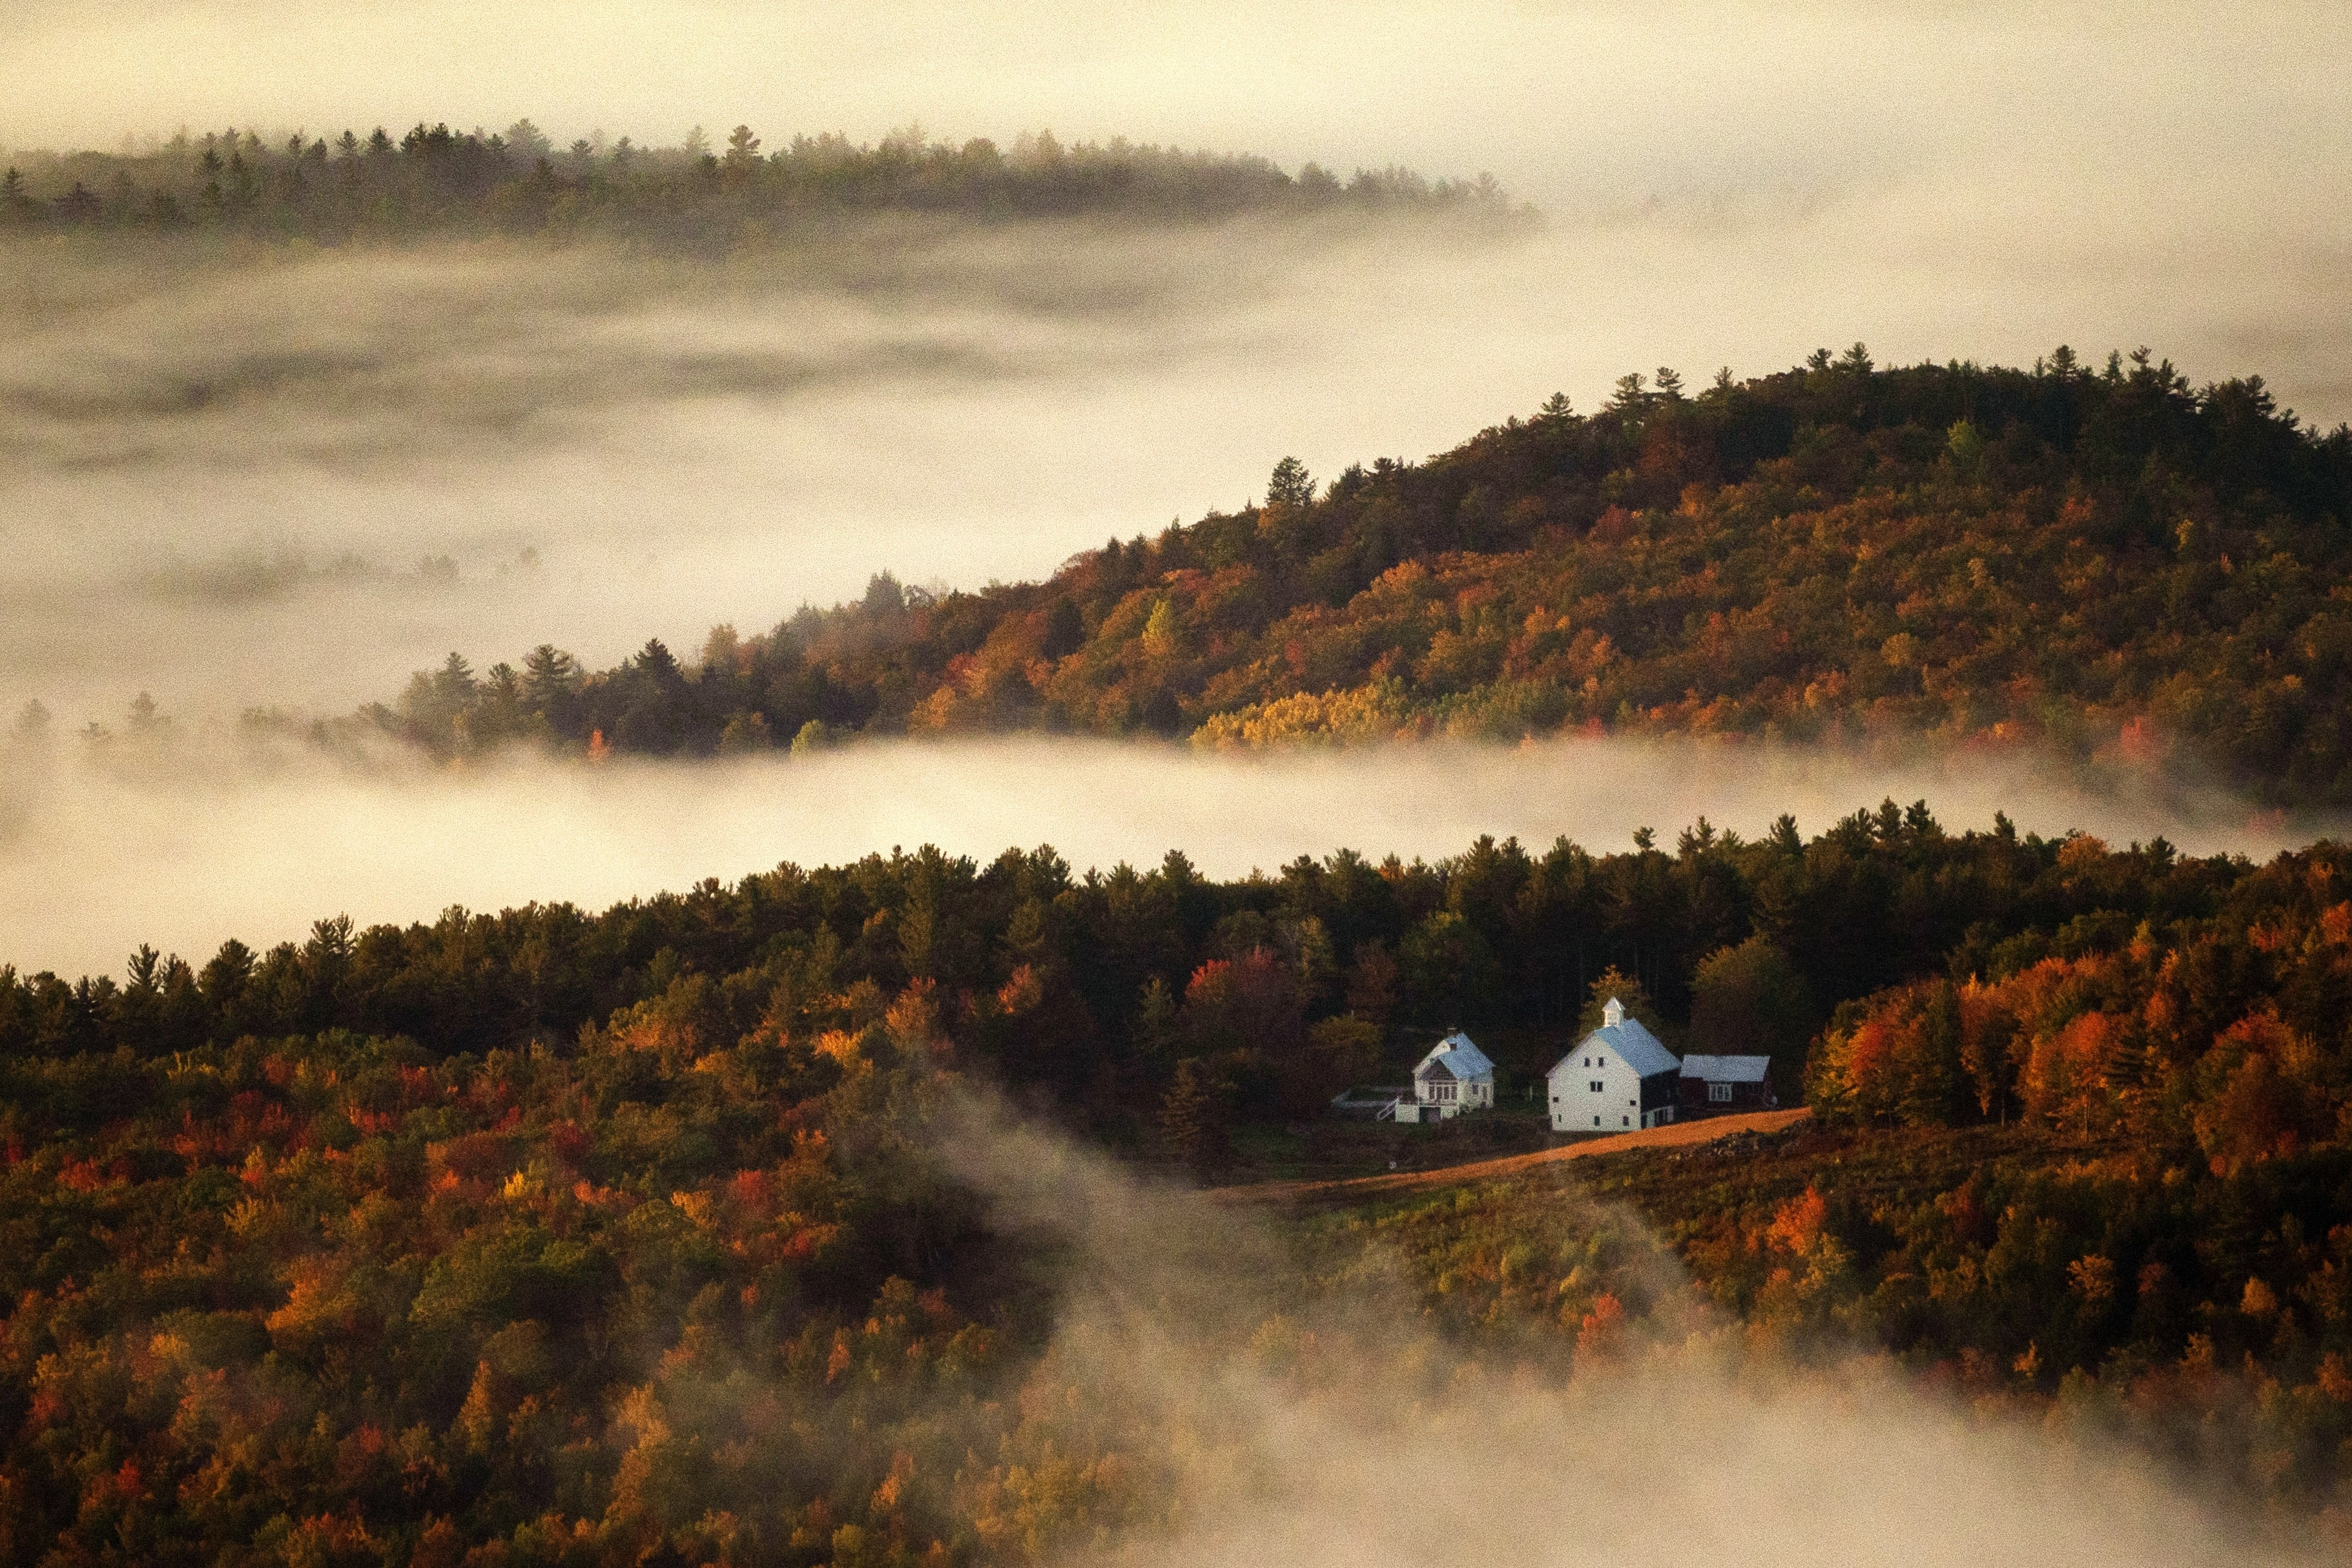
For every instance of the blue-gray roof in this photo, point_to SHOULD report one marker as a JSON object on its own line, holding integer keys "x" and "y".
{"x": 1457, "y": 1056}
{"x": 1727, "y": 1070}
{"x": 1635, "y": 1044}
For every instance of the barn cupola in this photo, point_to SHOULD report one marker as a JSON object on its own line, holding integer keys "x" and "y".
{"x": 1612, "y": 1015}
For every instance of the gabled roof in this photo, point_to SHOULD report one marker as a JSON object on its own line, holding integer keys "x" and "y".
{"x": 1638, "y": 1048}
{"x": 1456, "y": 1057}
{"x": 1727, "y": 1070}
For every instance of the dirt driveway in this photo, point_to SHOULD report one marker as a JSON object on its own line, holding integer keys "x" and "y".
{"x": 1358, "y": 1189}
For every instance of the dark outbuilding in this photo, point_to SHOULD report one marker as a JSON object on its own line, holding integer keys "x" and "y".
{"x": 1713, "y": 1084}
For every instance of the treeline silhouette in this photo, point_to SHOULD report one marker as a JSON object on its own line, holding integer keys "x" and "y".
{"x": 593, "y": 1237}
{"x": 2106, "y": 560}
{"x": 434, "y": 180}
{"x": 1087, "y": 991}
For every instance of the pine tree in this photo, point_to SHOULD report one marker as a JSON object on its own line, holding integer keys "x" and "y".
{"x": 1192, "y": 1117}
{"x": 1290, "y": 484}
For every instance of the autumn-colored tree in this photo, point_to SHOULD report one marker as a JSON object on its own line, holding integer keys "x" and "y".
{"x": 1247, "y": 1004}
{"x": 2262, "y": 1095}
{"x": 2069, "y": 1070}
{"x": 1614, "y": 984}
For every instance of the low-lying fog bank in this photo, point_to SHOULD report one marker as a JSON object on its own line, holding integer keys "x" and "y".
{"x": 189, "y": 843}
{"x": 293, "y": 480}
{"x": 1302, "y": 1413}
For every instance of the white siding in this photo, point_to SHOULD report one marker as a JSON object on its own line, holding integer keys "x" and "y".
{"x": 1441, "y": 1096}
{"x": 1594, "y": 1091}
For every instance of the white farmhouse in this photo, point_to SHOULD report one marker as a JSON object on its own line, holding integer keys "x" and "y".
{"x": 1618, "y": 1077}
{"x": 1455, "y": 1077}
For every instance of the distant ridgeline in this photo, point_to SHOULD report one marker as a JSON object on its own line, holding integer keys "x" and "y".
{"x": 2106, "y": 560}
{"x": 435, "y": 180}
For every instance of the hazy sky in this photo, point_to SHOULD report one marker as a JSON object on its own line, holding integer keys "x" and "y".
{"x": 1617, "y": 100}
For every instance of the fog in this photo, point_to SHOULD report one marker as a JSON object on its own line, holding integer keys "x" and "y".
{"x": 1569, "y": 100}
{"x": 294, "y": 478}
{"x": 293, "y": 482}
{"x": 1301, "y": 1416}
{"x": 183, "y": 841}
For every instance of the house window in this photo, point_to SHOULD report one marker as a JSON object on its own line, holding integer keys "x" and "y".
{"x": 1596, "y": 1121}
{"x": 1598, "y": 1086}
{"x": 1624, "y": 1122}
{"x": 1719, "y": 1093}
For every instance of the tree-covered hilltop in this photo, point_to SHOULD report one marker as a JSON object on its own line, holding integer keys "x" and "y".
{"x": 600, "y": 1238}
{"x": 1103, "y": 994}
{"x": 434, "y": 180}
{"x": 2105, "y": 560}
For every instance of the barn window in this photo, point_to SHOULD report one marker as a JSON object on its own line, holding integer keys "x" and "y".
{"x": 1719, "y": 1093}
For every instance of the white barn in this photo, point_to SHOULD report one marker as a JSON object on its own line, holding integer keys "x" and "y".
{"x": 1617, "y": 1078}
{"x": 1455, "y": 1077}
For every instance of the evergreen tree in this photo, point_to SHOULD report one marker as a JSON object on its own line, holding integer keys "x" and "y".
{"x": 1193, "y": 1116}
{"x": 1290, "y": 484}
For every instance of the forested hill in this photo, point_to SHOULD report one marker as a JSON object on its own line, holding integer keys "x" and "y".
{"x": 557, "y": 1238}
{"x": 2105, "y": 558}
{"x": 434, "y": 180}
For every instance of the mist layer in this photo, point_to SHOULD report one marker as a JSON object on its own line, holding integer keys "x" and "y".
{"x": 185, "y": 847}
{"x": 1299, "y": 1415}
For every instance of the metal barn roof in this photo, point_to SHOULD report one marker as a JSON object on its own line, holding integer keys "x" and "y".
{"x": 1638, "y": 1048}
{"x": 1727, "y": 1070}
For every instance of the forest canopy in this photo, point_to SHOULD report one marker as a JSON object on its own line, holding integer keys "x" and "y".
{"x": 560, "y": 1236}
{"x": 2102, "y": 561}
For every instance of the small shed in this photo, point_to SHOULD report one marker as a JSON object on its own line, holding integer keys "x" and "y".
{"x": 1455, "y": 1077}
{"x": 1711, "y": 1084}
{"x": 1619, "y": 1078}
